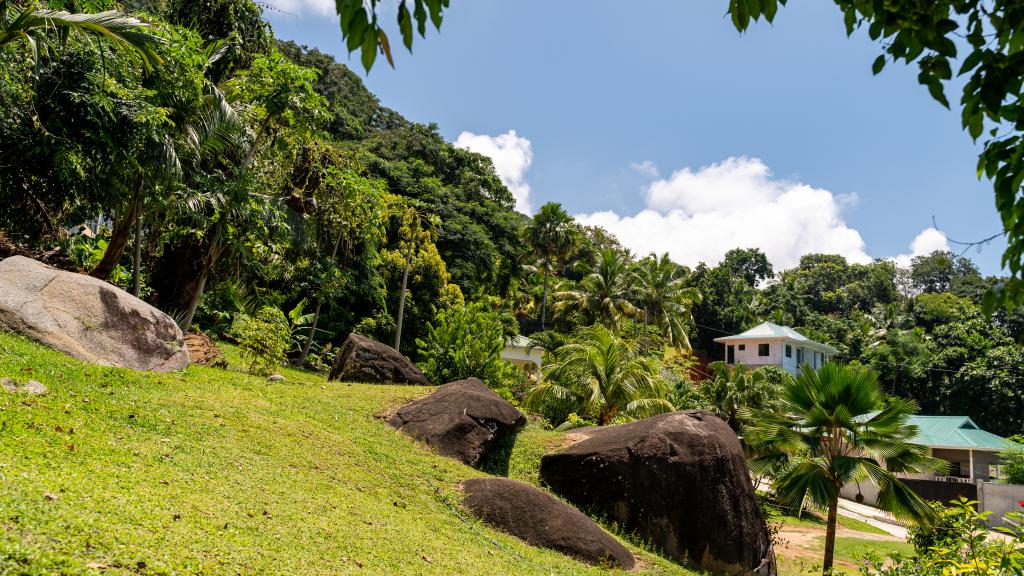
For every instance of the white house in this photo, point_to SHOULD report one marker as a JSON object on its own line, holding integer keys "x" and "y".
{"x": 769, "y": 344}
{"x": 523, "y": 352}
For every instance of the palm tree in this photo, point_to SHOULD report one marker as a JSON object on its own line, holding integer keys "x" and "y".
{"x": 549, "y": 234}
{"x": 736, "y": 390}
{"x": 203, "y": 126}
{"x": 662, "y": 293}
{"x": 600, "y": 376}
{"x": 26, "y": 23}
{"x": 606, "y": 291}
{"x": 837, "y": 422}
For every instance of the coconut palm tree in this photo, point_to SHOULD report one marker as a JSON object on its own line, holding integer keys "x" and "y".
{"x": 665, "y": 299}
{"x": 607, "y": 290}
{"x": 549, "y": 234}
{"x": 600, "y": 376}
{"x": 25, "y": 23}
{"x": 835, "y": 427}
{"x": 736, "y": 390}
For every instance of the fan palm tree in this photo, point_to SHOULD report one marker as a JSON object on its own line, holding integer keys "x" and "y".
{"x": 662, "y": 293}
{"x": 600, "y": 377}
{"x": 607, "y": 290}
{"x": 549, "y": 234}
{"x": 837, "y": 423}
{"x": 25, "y": 23}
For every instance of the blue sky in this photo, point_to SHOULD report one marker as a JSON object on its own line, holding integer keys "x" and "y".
{"x": 666, "y": 126}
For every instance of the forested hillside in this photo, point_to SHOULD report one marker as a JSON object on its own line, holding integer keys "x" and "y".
{"x": 229, "y": 178}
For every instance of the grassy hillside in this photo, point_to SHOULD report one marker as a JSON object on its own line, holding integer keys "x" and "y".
{"x": 217, "y": 472}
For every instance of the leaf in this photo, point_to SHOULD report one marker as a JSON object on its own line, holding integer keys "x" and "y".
{"x": 405, "y": 25}
{"x": 770, "y": 7}
{"x": 385, "y": 46}
{"x": 879, "y": 64}
{"x": 369, "y": 49}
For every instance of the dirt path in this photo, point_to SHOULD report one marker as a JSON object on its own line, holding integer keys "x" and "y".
{"x": 802, "y": 545}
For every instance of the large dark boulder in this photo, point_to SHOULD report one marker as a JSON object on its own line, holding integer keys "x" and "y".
{"x": 462, "y": 420}
{"x": 542, "y": 520}
{"x": 87, "y": 318}
{"x": 361, "y": 359}
{"x": 678, "y": 480}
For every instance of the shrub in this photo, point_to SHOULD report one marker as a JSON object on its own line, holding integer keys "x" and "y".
{"x": 263, "y": 340}
{"x": 466, "y": 341}
{"x": 1013, "y": 464}
{"x": 963, "y": 546}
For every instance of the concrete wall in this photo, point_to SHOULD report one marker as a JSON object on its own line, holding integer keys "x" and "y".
{"x": 1000, "y": 500}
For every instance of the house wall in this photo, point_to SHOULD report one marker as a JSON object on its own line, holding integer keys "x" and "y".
{"x": 749, "y": 357}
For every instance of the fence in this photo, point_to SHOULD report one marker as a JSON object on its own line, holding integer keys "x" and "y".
{"x": 999, "y": 499}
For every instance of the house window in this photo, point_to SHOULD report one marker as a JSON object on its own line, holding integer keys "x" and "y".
{"x": 762, "y": 349}
{"x": 799, "y": 355}
{"x": 743, "y": 347}
{"x": 789, "y": 351}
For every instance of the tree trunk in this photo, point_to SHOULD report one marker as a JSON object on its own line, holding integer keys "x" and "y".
{"x": 119, "y": 236}
{"x": 137, "y": 260}
{"x": 316, "y": 313}
{"x": 209, "y": 258}
{"x": 401, "y": 300}
{"x": 544, "y": 300}
{"x": 830, "y": 537}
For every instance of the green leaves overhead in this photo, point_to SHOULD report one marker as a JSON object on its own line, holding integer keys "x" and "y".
{"x": 990, "y": 35}
{"x": 361, "y": 30}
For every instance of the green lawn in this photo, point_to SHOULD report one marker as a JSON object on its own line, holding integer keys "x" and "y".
{"x": 217, "y": 472}
{"x": 851, "y": 523}
{"x": 800, "y": 557}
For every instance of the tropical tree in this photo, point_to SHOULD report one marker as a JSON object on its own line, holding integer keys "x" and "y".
{"x": 838, "y": 424}
{"x": 349, "y": 212}
{"x": 736, "y": 392}
{"x": 599, "y": 376}
{"x": 662, "y": 293}
{"x": 607, "y": 290}
{"x": 548, "y": 234}
{"x": 417, "y": 228}
{"x": 26, "y": 23}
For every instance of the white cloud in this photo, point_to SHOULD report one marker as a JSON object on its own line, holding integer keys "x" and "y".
{"x": 647, "y": 168}
{"x": 303, "y": 7}
{"x": 698, "y": 215}
{"x": 512, "y": 156}
{"x": 928, "y": 241}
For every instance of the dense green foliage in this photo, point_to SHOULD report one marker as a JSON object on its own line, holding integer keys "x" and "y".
{"x": 464, "y": 342}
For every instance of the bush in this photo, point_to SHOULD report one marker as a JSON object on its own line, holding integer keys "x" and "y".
{"x": 263, "y": 340}
{"x": 1013, "y": 464}
{"x": 467, "y": 341}
{"x": 961, "y": 545}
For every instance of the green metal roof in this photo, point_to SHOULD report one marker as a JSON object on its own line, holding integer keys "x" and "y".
{"x": 953, "y": 432}
{"x": 770, "y": 330}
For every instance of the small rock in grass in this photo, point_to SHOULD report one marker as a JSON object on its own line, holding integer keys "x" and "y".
{"x": 51, "y": 496}
{"x": 275, "y": 378}
{"x": 32, "y": 387}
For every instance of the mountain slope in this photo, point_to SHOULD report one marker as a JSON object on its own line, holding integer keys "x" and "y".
{"x": 217, "y": 472}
